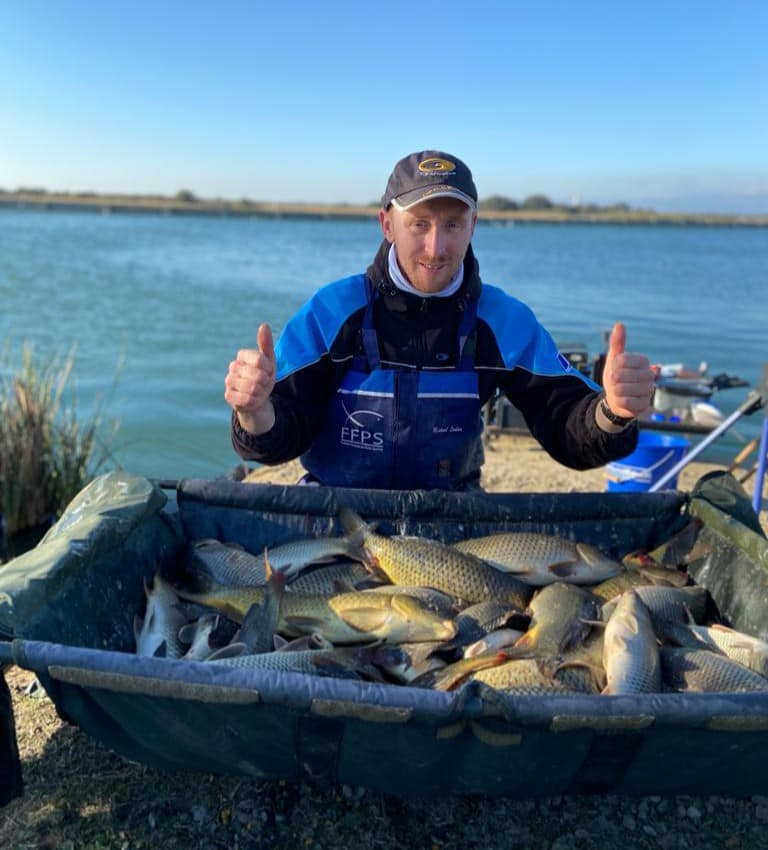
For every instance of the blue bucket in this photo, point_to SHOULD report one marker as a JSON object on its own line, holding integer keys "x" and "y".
{"x": 654, "y": 456}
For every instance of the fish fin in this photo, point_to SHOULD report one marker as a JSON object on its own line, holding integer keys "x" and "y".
{"x": 187, "y": 632}
{"x": 620, "y": 643}
{"x": 513, "y": 571}
{"x": 368, "y": 583}
{"x": 639, "y": 558}
{"x": 335, "y": 668}
{"x": 593, "y": 556}
{"x": 479, "y": 662}
{"x": 527, "y": 642}
{"x": 364, "y": 619}
{"x": 231, "y": 650}
{"x": 562, "y": 569}
{"x": 352, "y": 522}
{"x": 372, "y": 565}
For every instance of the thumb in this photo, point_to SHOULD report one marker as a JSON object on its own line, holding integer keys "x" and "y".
{"x": 618, "y": 340}
{"x": 265, "y": 342}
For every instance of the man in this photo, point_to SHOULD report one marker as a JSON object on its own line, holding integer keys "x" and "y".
{"x": 380, "y": 379}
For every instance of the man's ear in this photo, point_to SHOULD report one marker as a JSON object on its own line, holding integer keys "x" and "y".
{"x": 385, "y": 220}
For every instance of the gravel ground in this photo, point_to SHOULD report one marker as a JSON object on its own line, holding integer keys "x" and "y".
{"x": 78, "y": 794}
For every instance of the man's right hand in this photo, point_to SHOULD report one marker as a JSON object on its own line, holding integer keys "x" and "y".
{"x": 249, "y": 384}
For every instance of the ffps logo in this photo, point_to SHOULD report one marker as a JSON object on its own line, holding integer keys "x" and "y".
{"x": 358, "y": 430}
{"x": 436, "y": 165}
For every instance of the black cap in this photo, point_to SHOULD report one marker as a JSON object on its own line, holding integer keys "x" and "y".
{"x": 429, "y": 174}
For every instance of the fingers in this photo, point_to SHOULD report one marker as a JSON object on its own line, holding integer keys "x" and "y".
{"x": 265, "y": 342}
{"x": 618, "y": 340}
{"x": 628, "y": 379}
{"x": 251, "y": 376}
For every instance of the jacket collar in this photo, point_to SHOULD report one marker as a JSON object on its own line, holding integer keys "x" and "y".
{"x": 378, "y": 273}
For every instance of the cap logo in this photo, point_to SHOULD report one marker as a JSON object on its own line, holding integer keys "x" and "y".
{"x": 436, "y": 165}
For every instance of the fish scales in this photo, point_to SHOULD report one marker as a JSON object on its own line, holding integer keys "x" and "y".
{"x": 339, "y": 661}
{"x": 630, "y": 650}
{"x": 523, "y": 676}
{"x": 704, "y": 671}
{"x": 326, "y": 578}
{"x": 632, "y": 578}
{"x": 157, "y": 634}
{"x": 344, "y": 618}
{"x": 669, "y": 603}
{"x": 437, "y": 601}
{"x": 302, "y": 661}
{"x": 560, "y": 615}
{"x": 743, "y": 648}
{"x": 540, "y": 559}
{"x": 416, "y": 560}
{"x": 230, "y": 564}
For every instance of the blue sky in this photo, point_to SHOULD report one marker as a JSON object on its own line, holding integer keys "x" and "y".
{"x": 653, "y": 103}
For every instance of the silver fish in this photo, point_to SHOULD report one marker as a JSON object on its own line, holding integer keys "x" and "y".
{"x": 493, "y": 642}
{"x": 414, "y": 661}
{"x": 704, "y": 671}
{"x": 214, "y": 562}
{"x": 476, "y": 621}
{"x": 198, "y": 636}
{"x": 630, "y": 650}
{"x": 668, "y": 603}
{"x": 158, "y": 633}
{"x": 541, "y": 559}
{"x": 230, "y": 564}
{"x": 738, "y": 646}
{"x": 347, "y": 662}
{"x": 311, "y": 641}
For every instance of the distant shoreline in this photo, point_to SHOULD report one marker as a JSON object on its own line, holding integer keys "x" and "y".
{"x": 107, "y": 204}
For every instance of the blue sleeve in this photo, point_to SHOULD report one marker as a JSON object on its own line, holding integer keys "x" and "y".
{"x": 523, "y": 343}
{"x": 309, "y": 334}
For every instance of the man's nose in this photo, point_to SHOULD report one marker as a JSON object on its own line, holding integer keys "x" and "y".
{"x": 435, "y": 242}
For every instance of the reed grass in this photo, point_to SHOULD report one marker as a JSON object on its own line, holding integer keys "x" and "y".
{"x": 47, "y": 452}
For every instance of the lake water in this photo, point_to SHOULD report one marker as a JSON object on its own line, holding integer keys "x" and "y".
{"x": 158, "y": 305}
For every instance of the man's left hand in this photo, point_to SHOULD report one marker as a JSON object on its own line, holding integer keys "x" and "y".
{"x": 628, "y": 379}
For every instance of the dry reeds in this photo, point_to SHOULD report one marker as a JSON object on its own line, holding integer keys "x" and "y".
{"x": 47, "y": 454}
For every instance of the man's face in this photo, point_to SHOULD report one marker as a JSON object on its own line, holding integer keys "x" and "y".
{"x": 431, "y": 239}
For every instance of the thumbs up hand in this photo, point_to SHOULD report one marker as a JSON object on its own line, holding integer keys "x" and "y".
{"x": 250, "y": 381}
{"x": 628, "y": 379}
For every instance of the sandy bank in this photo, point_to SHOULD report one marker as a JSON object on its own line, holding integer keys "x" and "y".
{"x": 516, "y": 464}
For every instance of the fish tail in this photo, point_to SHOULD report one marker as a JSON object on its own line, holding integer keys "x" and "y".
{"x": 353, "y": 525}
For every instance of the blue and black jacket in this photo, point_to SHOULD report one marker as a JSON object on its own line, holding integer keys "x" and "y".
{"x": 512, "y": 352}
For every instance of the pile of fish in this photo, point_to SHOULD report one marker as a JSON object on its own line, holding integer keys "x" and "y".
{"x": 525, "y": 613}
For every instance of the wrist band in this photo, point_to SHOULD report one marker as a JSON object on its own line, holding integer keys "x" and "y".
{"x": 613, "y": 417}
